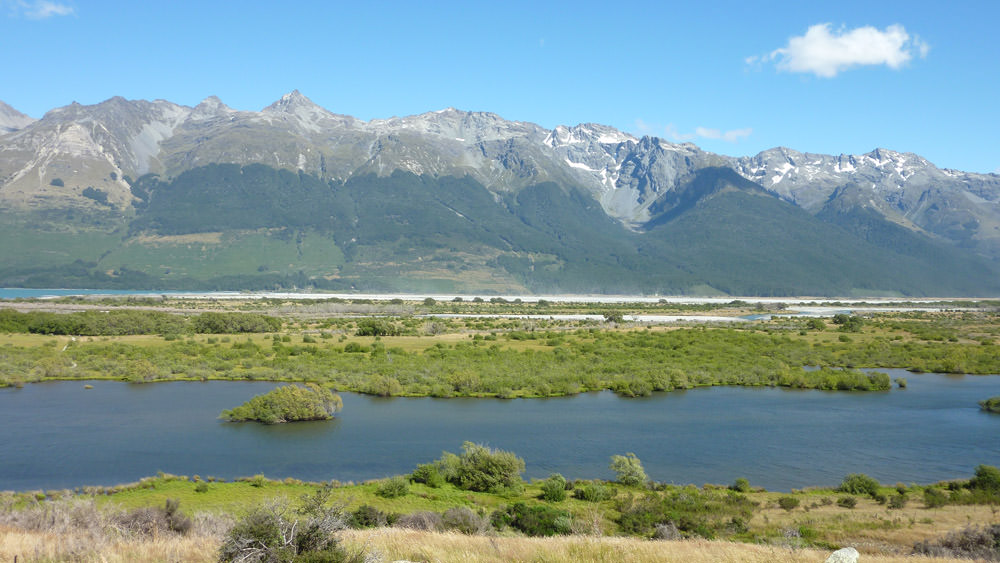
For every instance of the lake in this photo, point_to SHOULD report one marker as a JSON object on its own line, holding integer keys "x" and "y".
{"x": 60, "y": 435}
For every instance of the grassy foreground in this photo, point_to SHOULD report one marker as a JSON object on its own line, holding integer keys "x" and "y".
{"x": 123, "y": 524}
{"x": 392, "y": 544}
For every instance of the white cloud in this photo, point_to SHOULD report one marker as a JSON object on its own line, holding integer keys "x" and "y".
{"x": 40, "y": 9}
{"x": 731, "y": 136}
{"x": 671, "y": 133}
{"x": 643, "y": 128}
{"x": 675, "y": 135}
{"x": 826, "y": 52}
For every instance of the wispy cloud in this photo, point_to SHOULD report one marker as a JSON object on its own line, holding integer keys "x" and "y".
{"x": 671, "y": 132}
{"x": 731, "y": 136}
{"x": 674, "y": 135}
{"x": 826, "y": 52}
{"x": 39, "y": 9}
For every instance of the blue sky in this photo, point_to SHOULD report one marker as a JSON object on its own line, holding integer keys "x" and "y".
{"x": 733, "y": 77}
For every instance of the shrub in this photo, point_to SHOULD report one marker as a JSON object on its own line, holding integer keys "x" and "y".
{"x": 151, "y": 521}
{"x": 934, "y": 497}
{"x": 393, "y": 487}
{"x": 990, "y": 405}
{"x": 367, "y": 516}
{"x": 741, "y": 485}
{"x": 427, "y": 474}
{"x": 57, "y": 182}
{"x": 554, "y": 488}
{"x": 971, "y": 543}
{"x": 987, "y": 479}
{"x": 788, "y": 503}
{"x": 593, "y": 492}
{"x": 694, "y": 512}
{"x": 201, "y": 487}
{"x": 859, "y": 484}
{"x": 533, "y": 520}
{"x": 273, "y": 533}
{"x": 377, "y": 327}
{"x": 288, "y": 403}
{"x": 421, "y": 520}
{"x": 483, "y": 469}
{"x": 897, "y": 502}
{"x": 847, "y": 502}
{"x": 628, "y": 469}
{"x": 463, "y": 519}
{"x": 354, "y": 347}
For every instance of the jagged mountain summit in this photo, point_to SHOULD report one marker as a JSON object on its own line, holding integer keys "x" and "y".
{"x": 12, "y": 120}
{"x": 137, "y": 157}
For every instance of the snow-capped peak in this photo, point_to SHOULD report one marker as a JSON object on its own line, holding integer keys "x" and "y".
{"x": 586, "y": 133}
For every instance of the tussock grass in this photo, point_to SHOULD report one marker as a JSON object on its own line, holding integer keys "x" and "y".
{"x": 47, "y": 546}
{"x": 392, "y": 544}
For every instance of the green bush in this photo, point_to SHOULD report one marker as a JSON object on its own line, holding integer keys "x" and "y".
{"x": 934, "y": 497}
{"x": 847, "y": 502}
{"x": 367, "y": 516}
{"x": 427, "y": 474}
{"x": 377, "y": 327}
{"x": 229, "y": 323}
{"x": 859, "y": 484}
{"x": 482, "y": 469}
{"x": 533, "y": 520}
{"x": 593, "y": 492}
{"x": 990, "y": 405}
{"x": 288, "y": 403}
{"x": 788, "y": 503}
{"x": 554, "y": 488}
{"x": 987, "y": 479}
{"x": 741, "y": 485}
{"x": 628, "y": 470}
{"x": 704, "y": 513}
{"x": 393, "y": 487}
{"x": 897, "y": 501}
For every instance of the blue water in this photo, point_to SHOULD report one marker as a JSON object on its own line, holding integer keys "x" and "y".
{"x": 58, "y": 435}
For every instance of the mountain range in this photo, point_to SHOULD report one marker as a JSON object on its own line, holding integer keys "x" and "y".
{"x": 155, "y": 194}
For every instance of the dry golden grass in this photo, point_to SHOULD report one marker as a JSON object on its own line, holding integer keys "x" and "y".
{"x": 393, "y": 544}
{"x": 872, "y": 528}
{"x": 42, "y": 546}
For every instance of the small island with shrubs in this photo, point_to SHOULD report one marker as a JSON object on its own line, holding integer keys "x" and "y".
{"x": 288, "y": 403}
{"x": 991, "y": 405}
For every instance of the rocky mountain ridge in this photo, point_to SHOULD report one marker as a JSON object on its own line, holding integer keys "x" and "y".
{"x": 106, "y": 145}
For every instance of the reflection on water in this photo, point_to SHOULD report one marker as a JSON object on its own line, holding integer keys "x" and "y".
{"x": 60, "y": 435}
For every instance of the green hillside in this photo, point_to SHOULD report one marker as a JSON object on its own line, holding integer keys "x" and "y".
{"x": 253, "y": 227}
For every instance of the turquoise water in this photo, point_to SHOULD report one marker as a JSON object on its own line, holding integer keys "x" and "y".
{"x": 58, "y": 435}
{"x": 19, "y": 293}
